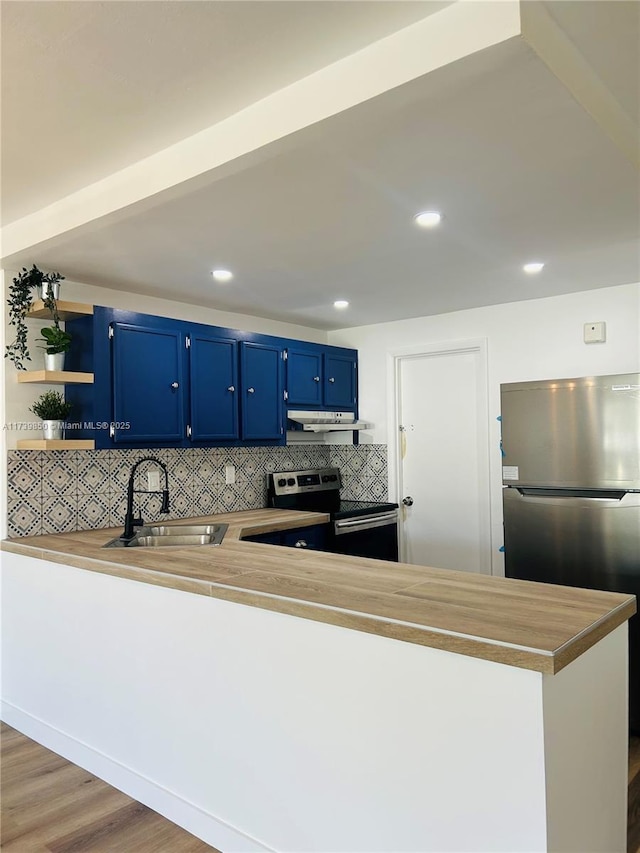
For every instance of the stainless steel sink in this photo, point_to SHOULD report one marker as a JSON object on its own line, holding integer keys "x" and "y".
{"x": 178, "y": 535}
{"x": 181, "y": 530}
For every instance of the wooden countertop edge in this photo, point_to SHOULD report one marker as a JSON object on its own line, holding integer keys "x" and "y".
{"x": 589, "y": 637}
{"x": 222, "y": 587}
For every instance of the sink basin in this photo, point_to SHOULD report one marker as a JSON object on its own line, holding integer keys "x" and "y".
{"x": 181, "y": 530}
{"x": 178, "y": 535}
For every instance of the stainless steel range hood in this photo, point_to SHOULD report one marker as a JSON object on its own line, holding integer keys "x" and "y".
{"x": 326, "y": 421}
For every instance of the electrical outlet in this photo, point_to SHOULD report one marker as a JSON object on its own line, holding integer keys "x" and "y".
{"x": 230, "y": 474}
{"x": 153, "y": 481}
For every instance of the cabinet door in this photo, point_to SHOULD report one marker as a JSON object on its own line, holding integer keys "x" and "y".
{"x": 304, "y": 378}
{"x": 147, "y": 384}
{"x": 265, "y": 538}
{"x": 313, "y": 538}
{"x": 339, "y": 381}
{"x": 261, "y": 400}
{"x": 213, "y": 364}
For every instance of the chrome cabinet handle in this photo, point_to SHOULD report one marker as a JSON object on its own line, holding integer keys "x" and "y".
{"x": 301, "y": 543}
{"x": 316, "y": 379}
{"x": 331, "y": 379}
{"x": 251, "y": 390}
{"x": 408, "y": 501}
{"x": 231, "y": 388}
{"x": 175, "y": 385}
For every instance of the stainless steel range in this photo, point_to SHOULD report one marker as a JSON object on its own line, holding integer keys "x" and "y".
{"x": 358, "y": 528}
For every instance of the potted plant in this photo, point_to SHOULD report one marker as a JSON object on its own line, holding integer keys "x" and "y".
{"x": 56, "y": 343}
{"x": 20, "y": 302}
{"x": 53, "y": 409}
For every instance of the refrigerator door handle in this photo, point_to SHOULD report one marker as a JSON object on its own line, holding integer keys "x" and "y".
{"x": 589, "y": 494}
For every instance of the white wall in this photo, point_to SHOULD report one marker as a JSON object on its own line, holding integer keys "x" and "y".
{"x": 535, "y": 339}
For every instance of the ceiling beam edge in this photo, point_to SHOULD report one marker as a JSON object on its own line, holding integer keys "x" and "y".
{"x": 440, "y": 39}
{"x": 564, "y": 59}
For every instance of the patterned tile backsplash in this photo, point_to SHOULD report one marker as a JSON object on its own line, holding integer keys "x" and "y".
{"x": 60, "y": 491}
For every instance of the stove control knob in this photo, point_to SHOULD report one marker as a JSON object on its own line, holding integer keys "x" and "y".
{"x": 408, "y": 501}
{"x": 333, "y": 478}
{"x": 282, "y": 482}
{"x": 291, "y": 481}
{"x": 325, "y": 478}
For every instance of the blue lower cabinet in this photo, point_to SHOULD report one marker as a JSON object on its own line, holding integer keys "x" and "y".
{"x": 274, "y": 538}
{"x": 148, "y": 375}
{"x": 262, "y": 406}
{"x": 213, "y": 371}
{"x": 313, "y": 538}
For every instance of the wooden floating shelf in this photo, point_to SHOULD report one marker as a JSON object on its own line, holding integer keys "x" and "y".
{"x": 66, "y": 310}
{"x": 55, "y": 444}
{"x": 55, "y": 377}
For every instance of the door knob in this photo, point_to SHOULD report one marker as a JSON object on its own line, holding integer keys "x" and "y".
{"x": 251, "y": 390}
{"x": 331, "y": 379}
{"x": 175, "y": 385}
{"x": 316, "y": 379}
{"x": 408, "y": 501}
{"x": 301, "y": 543}
{"x": 231, "y": 388}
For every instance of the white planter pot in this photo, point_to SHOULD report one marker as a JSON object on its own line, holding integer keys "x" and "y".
{"x": 52, "y": 429}
{"x": 46, "y": 288}
{"x": 55, "y": 361}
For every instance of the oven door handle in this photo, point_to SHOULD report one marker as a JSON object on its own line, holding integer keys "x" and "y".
{"x": 367, "y": 522}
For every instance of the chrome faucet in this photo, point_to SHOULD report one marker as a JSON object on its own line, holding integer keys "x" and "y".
{"x": 129, "y": 521}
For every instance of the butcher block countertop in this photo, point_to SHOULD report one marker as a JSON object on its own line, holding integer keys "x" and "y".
{"x": 534, "y": 626}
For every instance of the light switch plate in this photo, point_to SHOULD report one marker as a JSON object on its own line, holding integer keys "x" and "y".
{"x": 595, "y": 333}
{"x": 229, "y": 474}
{"x": 153, "y": 481}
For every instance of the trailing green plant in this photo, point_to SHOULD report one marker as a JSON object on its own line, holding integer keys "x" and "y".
{"x": 51, "y": 406}
{"x": 56, "y": 340}
{"x": 20, "y": 302}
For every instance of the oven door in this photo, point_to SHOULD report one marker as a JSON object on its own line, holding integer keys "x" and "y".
{"x": 374, "y": 536}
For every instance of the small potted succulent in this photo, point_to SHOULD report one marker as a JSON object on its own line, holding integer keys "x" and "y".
{"x": 56, "y": 343}
{"x": 53, "y": 409}
{"x": 20, "y": 302}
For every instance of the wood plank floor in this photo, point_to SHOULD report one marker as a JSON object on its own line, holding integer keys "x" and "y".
{"x": 52, "y": 806}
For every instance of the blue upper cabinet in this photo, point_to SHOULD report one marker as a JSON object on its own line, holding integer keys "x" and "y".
{"x": 147, "y": 378}
{"x": 304, "y": 377}
{"x": 322, "y": 377}
{"x": 262, "y": 408}
{"x": 161, "y": 382}
{"x": 340, "y": 381}
{"x": 213, "y": 363}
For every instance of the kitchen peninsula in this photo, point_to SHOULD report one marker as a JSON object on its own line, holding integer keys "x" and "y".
{"x": 279, "y": 699}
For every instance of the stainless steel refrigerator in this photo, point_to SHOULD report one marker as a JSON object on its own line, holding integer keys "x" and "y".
{"x": 571, "y": 497}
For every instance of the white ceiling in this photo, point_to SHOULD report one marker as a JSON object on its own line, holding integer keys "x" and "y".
{"x": 100, "y": 85}
{"x": 495, "y": 141}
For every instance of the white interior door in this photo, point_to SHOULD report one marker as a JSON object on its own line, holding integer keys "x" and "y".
{"x": 442, "y": 457}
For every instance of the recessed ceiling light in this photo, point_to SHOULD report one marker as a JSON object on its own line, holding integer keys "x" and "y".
{"x": 428, "y": 218}
{"x": 222, "y": 275}
{"x": 341, "y": 303}
{"x": 533, "y": 267}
